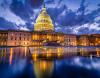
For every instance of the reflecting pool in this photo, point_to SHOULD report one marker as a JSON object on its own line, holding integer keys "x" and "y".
{"x": 49, "y": 62}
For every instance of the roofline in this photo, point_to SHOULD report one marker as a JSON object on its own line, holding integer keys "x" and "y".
{"x": 15, "y": 31}
{"x": 46, "y": 32}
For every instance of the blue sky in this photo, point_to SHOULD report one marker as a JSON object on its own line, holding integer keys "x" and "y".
{"x": 69, "y": 16}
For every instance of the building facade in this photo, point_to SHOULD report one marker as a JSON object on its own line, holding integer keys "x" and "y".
{"x": 3, "y": 38}
{"x": 30, "y": 38}
{"x": 19, "y": 38}
{"x": 83, "y": 40}
{"x": 95, "y": 40}
{"x": 70, "y": 40}
{"x": 44, "y": 38}
{"x": 44, "y": 34}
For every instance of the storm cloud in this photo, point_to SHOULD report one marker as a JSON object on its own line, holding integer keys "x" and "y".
{"x": 21, "y": 14}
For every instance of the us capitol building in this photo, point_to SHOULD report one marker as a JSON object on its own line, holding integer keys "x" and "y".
{"x": 44, "y": 34}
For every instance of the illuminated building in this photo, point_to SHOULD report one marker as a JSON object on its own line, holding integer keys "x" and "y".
{"x": 95, "y": 38}
{"x": 44, "y": 34}
{"x": 19, "y": 38}
{"x": 70, "y": 40}
{"x": 88, "y": 40}
{"x": 43, "y": 22}
{"x": 45, "y": 38}
{"x": 83, "y": 40}
{"x": 3, "y": 38}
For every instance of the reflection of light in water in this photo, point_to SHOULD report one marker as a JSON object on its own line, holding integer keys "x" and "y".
{"x": 34, "y": 56}
{"x": 43, "y": 66}
{"x": 98, "y": 52}
{"x": 43, "y": 69}
{"x": 87, "y": 51}
{"x": 60, "y": 51}
{"x": 2, "y": 54}
{"x": 82, "y": 51}
{"x": 11, "y": 56}
{"x": 46, "y": 51}
{"x": 25, "y": 51}
{"x": 49, "y": 52}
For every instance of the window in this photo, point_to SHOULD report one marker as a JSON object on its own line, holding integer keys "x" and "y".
{"x": 19, "y": 38}
{"x": 11, "y": 38}
{"x": 15, "y": 38}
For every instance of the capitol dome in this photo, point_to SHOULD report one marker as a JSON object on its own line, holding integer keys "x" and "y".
{"x": 43, "y": 22}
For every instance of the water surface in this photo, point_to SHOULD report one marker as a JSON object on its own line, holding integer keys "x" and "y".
{"x": 49, "y": 62}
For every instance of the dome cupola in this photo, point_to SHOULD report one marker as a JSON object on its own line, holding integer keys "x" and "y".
{"x": 43, "y": 22}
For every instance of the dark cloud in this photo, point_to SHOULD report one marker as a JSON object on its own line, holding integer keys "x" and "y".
{"x": 66, "y": 17}
{"x": 35, "y": 3}
{"x": 86, "y": 30}
{"x": 61, "y": 14}
{"x": 5, "y": 25}
{"x": 56, "y": 12}
{"x": 22, "y": 10}
{"x": 25, "y": 10}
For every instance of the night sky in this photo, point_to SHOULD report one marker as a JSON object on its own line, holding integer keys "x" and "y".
{"x": 69, "y": 16}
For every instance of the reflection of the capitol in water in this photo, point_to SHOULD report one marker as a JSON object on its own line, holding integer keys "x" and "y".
{"x": 12, "y": 53}
{"x": 43, "y": 68}
{"x": 52, "y": 52}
